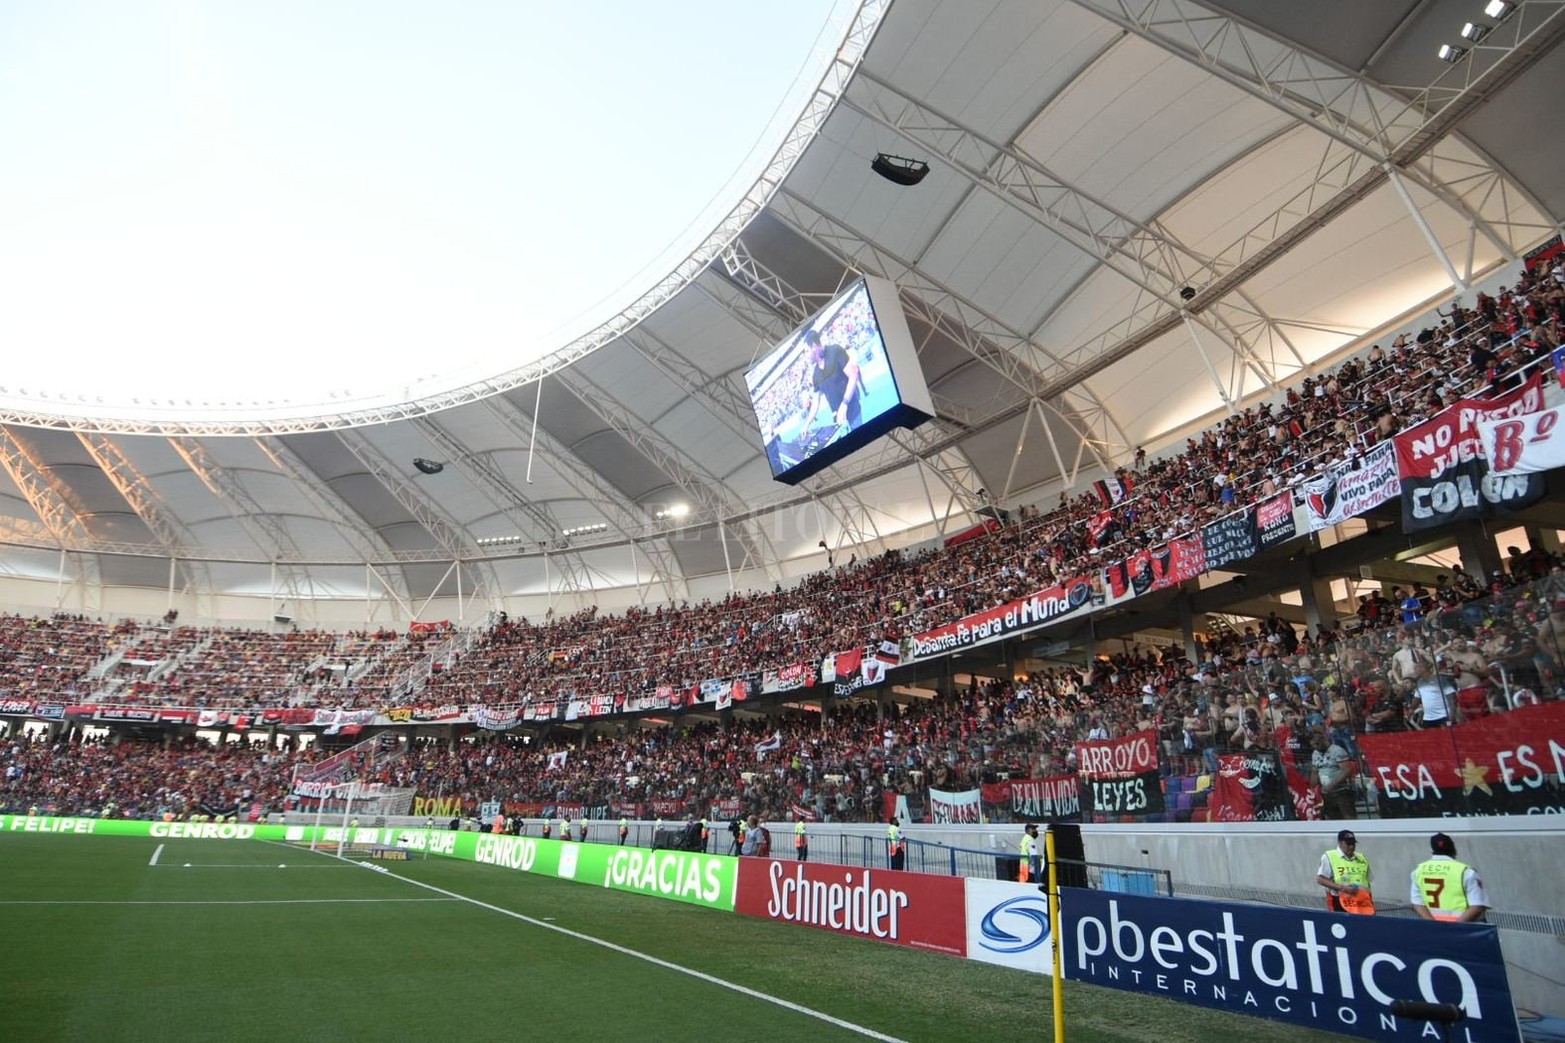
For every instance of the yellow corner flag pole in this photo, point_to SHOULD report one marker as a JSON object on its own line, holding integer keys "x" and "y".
{"x": 1054, "y": 936}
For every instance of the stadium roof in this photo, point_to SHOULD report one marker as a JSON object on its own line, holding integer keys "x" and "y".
{"x": 1293, "y": 165}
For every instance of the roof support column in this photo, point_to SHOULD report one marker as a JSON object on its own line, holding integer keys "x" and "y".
{"x": 1195, "y": 338}
{"x": 1423, "y": 226}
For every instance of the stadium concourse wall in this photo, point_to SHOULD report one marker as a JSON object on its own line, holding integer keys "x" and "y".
{"x": 1239, "y": 959}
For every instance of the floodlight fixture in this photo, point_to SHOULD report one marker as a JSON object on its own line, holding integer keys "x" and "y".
{"x": 582, "y": 530}
{"x": 1187, "y": 293}
{"x": 495, "y": 541}
{"x": 1499, "y": 10}
{"x": 899, "y": 170}
{"x": 1474, "y": 32}
{"x": 1451, "y": 54}
{"x": 674, "y": 510}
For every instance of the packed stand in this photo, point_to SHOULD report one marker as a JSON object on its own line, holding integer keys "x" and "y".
{"x": 48, "y": 659}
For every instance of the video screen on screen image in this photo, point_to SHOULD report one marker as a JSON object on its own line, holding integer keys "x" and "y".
{"x": 838, "y": 382}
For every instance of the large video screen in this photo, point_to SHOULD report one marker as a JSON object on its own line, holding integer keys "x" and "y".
{"x": 838, "y": 382}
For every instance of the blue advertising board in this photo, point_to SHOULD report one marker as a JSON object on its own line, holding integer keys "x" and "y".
{"x": 1323, "y": 970}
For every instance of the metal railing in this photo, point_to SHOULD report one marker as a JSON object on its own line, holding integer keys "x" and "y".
{"x": 869, "y": 852}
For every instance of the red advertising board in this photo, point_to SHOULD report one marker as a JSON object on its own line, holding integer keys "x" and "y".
{"x": 912, "y": 909}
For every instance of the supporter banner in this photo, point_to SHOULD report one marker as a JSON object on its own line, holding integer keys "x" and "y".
{"x": 1044, "y": 606}
{"x": 1306, "y": 795}
{"x": 441, "y": 806}
{"x": 1128, "y": 579}
{"x": 1008, "y": 924}
{"x": 1251, "y": 787}
{"x": 1177, "y": 560}
{"x": 496, "y": 719}
{"x": 1230, "y": 539}
{"x": 1526, "y": 444}
{"x": 1506, "y": 764}
{"x": 972, "y": 532}
{"x": 917, "y": 910}
{"x": 336, "y": 720}
{"x": 1466, "y": 492}
{"x": 1344, "y": 492}
{"x": 1120, "y": 776}
{"x": 1451, "y": 436}
{"x": 16, "y": 707}
{"x": 664, "y": 808}
{"x": 50, "y": 711}
{"x": 1317, "y": 969}
{"x": 1274, "y": 520}
{"x": 114, "y": 713}
{"x": 221, "y": 719}
{"x": 1133, "y": 754}
{"x": 1053, "y": 799}
{"x": 710, "y": 690}
{"x": 1112, "y": 491}
{"x": 436, "y": 627}
{"x": 788, "y": 678}
{"x": 1445, "y": 477}
{"x": 954, "y": 807}
{"x": 1538, "y": 257}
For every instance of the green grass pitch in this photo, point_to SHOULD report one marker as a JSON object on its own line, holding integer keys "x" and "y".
{"x": 258, "y": 941}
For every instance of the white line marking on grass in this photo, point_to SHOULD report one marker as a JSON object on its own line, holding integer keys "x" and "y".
{"x": 701, "y": 975}
{"x": 242, "y": 865}
{"x": 155, "y": 855}
{"x": 236, "y": 901}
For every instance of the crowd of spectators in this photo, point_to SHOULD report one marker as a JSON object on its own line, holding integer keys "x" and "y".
{"x": 47, "y": 659}
{"x": 1418, "y": 658}
{"x": 140, "y": 779}
{"x": 1264, "y": 688}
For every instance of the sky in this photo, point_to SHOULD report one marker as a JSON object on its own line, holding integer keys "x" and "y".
{"x": 253, "y": 210}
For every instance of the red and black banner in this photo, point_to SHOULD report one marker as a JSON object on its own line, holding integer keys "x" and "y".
{"x": 1251, "y": 787}
{"x": 1507, "y": 764}
{"x": 1445, "y": 476}
{"x": 1120, "y": 776}
{"x": 1044, "y": 606}
{"x": 1274, "y": 520}
{"x": 1178, "y": 560}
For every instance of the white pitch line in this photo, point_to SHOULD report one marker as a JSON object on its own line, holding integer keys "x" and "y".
{"x": 155, "y": 855}
{"x": 238, "y": 865}
{"x": 701, "y": 975}
{"x": 237, "y": 901}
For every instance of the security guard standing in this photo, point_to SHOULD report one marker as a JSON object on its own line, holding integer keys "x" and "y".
{"x": 706, "y": 834}
{"x": 1031, "y": 862}
{"x": 801, "y": 840}
{"x": 548, "y": 825}
{"x": 584, "y": 829}
{"x": 624, "y": 830}
{"x": 1445, "y": 889}
{"x": 744, "y": 829}
{"x": 1345, "y": 875}
{"x": 565, "y": 828}
{"x": 429, "y": 823}
{"x": 657, "y": 827}
{"x": 896, "y": 847}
